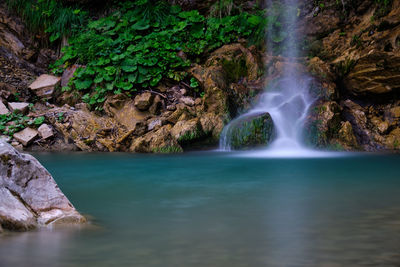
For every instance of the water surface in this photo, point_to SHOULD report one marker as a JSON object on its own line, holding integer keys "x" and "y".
{"x": 215, "y": 209}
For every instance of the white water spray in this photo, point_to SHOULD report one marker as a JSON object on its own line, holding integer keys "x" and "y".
{"x": 287, "y": 100}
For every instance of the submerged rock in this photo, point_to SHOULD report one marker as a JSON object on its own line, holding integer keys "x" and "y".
{"x": 251, "y": 131}
{"x": 29, "y": 196}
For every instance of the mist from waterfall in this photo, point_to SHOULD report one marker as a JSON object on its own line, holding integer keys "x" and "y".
{"x": 287, "y": 98}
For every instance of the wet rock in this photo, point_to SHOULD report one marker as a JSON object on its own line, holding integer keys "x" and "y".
{"x": 250, "y": 131}
{"x": 44, "y": 85}
{"x": 45, "y": 131}
{"x": 18, "y": 106}
{"x": 355, "y": 114}
{"x": 26, "y": 136}
{"x": 144, "y": 101}
{"x": 187, "y": 131}
{"x": 323, "y": 124}
{"x": 323, "y": 86}
{"x": 382, "y": 126}
{"x": 392, "y": 141}
{"x": 29, "y": 197}
{"x": 346, "y": 136}
{"x": 3, "y": 109}
{"x": 212, "y": 125}
{"x": 160, "y": 141}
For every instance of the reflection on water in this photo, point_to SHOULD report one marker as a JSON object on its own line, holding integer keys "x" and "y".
{"x": 217, "y": 210}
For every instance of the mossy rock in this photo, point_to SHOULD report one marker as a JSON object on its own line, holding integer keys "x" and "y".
{"x": 250, "y": 131}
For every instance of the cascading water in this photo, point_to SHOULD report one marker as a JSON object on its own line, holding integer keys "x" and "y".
{"x": 287, "y": 99}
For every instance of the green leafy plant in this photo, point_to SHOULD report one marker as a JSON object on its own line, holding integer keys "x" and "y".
{"x": 136, "y": 47}
{"x": 48, "y": 18}
{"x": 11, "y": 123}
{"x": 60, "y": 117}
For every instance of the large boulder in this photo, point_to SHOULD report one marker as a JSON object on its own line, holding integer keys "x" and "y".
{"x": 249, "y": 131}
{"x": 29, "y": 196}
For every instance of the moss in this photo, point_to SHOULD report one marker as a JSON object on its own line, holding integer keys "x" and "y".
{"x": 235, "y": 69}
{"x": 314, "y": 135}
{"x": 335, "y": 147}
{"x": 190, "y": 136}
{"x": 167, "y": 150}
{"x": 251, "y": 132}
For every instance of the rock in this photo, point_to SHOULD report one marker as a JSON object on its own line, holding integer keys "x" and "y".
{"x": 144, "y": 101}
{"x": 26, "y": 136}
{"x": 18, "y": 106}
{"x": 212, "y": 125}
{"x": 154, "y": 124}
{"x": 123, "y": 110}
{"x": 45, "y": 131}
{"x": 382, "y": 126}
{"x": 374, "y": 73}
{"x": 44, "y": 85}
{"x": 392, "y": 141}
{"x": 171, "y": 107}
{"x": 68, "y": 74}
{"x": 3, "y": 109}
{"x": 236, "y": 60}
{"x": 45, "y": 57}
{"x": 159, "y": 141}
{"x": 187, "y": 131}
{"x": 346, "y": 136}
{"x": 29, "y": 196}
{"x": 13, "y": 214}
{"x": 156, "y": 106}
{"x": 5, "y": 138}
{"x": 187, "y": 101}
{"x": 250, "y": 131}
{"x": 355, "y": 114}
{"x": 183, "y": 91}
{"x": 323, "y": 124}
{"x": 395, "y": 112}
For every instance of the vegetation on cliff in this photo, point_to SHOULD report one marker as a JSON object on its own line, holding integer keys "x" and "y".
{"x": 140, "y": 44}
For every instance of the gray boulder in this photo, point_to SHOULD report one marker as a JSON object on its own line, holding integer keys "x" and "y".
{"x": 29, "y": 196}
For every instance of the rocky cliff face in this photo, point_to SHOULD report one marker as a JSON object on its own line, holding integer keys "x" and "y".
{"x": 353, "y": 50}
{"x": 356, "y": 49}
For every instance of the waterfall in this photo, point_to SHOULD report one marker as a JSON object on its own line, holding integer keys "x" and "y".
{"x": 287, "y": 99}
